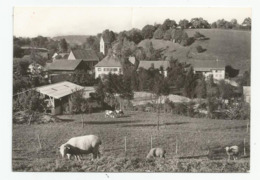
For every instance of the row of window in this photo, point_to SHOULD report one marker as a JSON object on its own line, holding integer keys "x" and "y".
{"x": 109, "y": 69}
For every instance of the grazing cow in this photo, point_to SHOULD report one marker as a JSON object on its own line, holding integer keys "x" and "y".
{"x": 78, "y": 146}
{"x": 156, "y": 152}
{"x": 109, "y": 113}
{"x": 232, "y": 151}
{"x": 119, "y": 112}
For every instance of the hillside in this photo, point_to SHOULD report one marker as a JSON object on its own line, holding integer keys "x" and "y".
{"x": 72, "y": 39}
{"x": 232, "y": 46}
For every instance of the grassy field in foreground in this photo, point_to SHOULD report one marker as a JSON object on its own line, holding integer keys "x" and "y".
{"x": 196, "y": 137}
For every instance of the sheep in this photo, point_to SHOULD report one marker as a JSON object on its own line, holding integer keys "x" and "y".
{"x": 81, "y": 145}
{"x": 156, "y": 152}
{"x": 232, "y": 151}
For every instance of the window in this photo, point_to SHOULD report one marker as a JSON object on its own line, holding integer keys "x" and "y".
{"x": 99, "y": 69}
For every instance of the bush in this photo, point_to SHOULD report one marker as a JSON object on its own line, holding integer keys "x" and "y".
{"x": 199, "y": 49}
{"x": 78, "y": 103}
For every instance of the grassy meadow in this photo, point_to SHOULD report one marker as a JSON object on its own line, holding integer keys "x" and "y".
{"x": 232, "y": 46}
{"x": 35, "y": 147}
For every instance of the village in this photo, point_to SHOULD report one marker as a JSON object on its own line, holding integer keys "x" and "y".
{"x": 166, "y": 85}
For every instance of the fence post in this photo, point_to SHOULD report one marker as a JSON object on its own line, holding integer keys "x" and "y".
{"x": 151, "y": 142}
{"x": 82, "y": 119}
{"x": 176, "y": 146}
{"x": 39, "y": 141}
{"x": 125, "y": 145}
{"x": 244, "y": 146}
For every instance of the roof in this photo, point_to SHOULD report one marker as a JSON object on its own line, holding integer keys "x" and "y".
{"x": 85, "y": 54}
{"x": 59, "y": 90}
{"x": 68, "y": 65}
{"x": 207, "y": 65}
{"x": 109, "y": 61}
{"x": 157, "y": 64}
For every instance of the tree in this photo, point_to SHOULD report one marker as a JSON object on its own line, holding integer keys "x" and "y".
{"x": 168, "y": 35}
{"x": 92, "y": 42}
{"x": 247, "y": 22}
{"x": 17, "y": 51}
{"x": 190, "y": 83}
{"x": 63, "y": 46}
{"x": 231, "y": 72}
{"x": 167, "y": 24}
{"x": 83, "y": 78}
{"x": 134, "y": 35}
{"x": 148, "y": 31}
{"x": 214, "y": 25}
{"x": 185, "y": 24}
{"x": 225, "y": 90}
{"x": 109, "y": 35}
{"x": 159, "y": 33}
{"x": 201, "y": 88}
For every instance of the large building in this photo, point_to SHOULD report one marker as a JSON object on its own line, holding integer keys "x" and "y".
{"x": 216, "y": 68}
{"x": 164, "y": 65}
{"x": 89, "y": 56}
{"x": 65, "y": 66}
{"x": 110, "y": 64}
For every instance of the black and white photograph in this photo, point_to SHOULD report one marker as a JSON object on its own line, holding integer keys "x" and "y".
{"x": 131, "y": 89}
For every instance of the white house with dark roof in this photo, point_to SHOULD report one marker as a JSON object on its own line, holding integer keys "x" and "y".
{"x": 216, "y": 68}
{"x": 156, "y": 64}
{"x": 110, "y": 64}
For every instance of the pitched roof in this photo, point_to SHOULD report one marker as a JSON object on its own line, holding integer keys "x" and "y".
{"x": 85, "y": 54}
{"x": 59, "y": 90}
{"x": 109, "y": 61}
{"x": 207, "y": 65}
{"x": 69, "y": 65}
{"x": 157, "y": 64}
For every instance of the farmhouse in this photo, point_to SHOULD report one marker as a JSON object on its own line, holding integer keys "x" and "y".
{"x": 216, "y": 68}
{"x": 65, "y": 66}
{"x": 161, "y": 65}
{"x": 110, "y": 64}
{"x": 58, "y": 95}
{"x": 88, "y": 56}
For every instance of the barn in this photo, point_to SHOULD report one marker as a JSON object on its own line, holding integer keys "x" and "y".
{"x": 58, "y": 95}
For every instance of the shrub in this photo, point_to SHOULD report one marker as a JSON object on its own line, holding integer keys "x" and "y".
{"x": 199, "y": 49}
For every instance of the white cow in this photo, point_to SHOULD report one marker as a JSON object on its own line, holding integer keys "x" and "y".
{"x": 119, "y": 112}
{"x": 78, "y": 146}
{"x": 109, "y": 113}
{"x": 232, "y": 151}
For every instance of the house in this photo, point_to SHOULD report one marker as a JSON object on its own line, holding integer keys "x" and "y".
{"x": 110, "y": 64}
{"x": 216, "y": 68}
{"x": 57, "y": 96}
{"x": 247, "y": 93}
{"x": 65, "y": 66}
{"x": 89, "y": 56}
{"x": 156, "y": 64}
{"x": 104, "y": 44}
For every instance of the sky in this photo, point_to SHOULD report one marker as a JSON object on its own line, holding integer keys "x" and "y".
{"x": 56, "y": 21}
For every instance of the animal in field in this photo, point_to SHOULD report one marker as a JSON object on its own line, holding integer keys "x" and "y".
{"x": 156, "y": 152}
{"x": 119, "y": 112}
{"x": 109, "y": 113}
{"x": 78, "y": 146}
{"x": 232, "y": 151}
